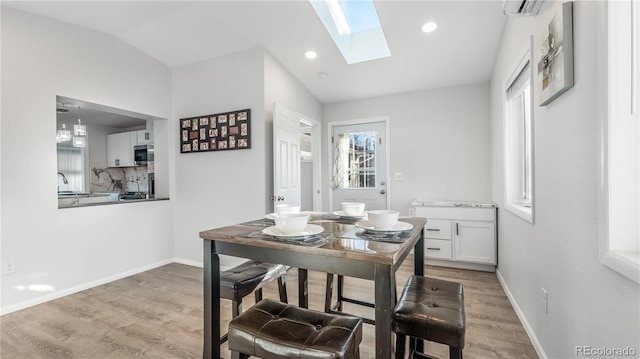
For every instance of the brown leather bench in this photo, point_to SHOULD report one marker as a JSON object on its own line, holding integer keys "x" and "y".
{"x": 275, "y": 330}
{"x": 250, "y": 276}
{"x": 430, "y": 309}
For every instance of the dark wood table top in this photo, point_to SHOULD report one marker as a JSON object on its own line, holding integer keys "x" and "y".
{"x": 343, "y": 240}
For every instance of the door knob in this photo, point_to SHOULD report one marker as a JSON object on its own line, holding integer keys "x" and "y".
{"x": 382, "y": 191}
{"x": 383, "y": 183}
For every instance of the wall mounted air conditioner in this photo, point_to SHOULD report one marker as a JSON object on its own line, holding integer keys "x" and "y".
{"x": 521, "y": 7}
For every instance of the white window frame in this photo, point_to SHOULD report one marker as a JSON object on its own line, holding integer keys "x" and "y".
{"x": 620, "y": 140}
{"x": 519, "y": 144}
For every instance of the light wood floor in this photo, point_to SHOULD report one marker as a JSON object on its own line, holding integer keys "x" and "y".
{"x": 158, "y": 314}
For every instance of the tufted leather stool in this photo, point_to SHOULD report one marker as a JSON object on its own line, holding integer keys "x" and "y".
{"x": 430, "y": 309}
{"x": 240, "y": 281}
{"x": 274, "y": 330}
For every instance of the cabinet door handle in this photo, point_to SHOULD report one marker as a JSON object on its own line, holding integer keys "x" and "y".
{"x": 433, "y": 229}
{"x": 433, "y": 249}
{"x": 457, "y": 232}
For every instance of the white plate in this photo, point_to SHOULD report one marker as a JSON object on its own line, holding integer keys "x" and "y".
{"x": 398, "y": 227}
{"x": 344, "y": 215}
{"x": 310, "y": 230}
{"x": 273, "y": 215}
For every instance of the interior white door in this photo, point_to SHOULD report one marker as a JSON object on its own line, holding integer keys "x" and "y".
{"x": 286, "y": 155}
{"x": 359, "y": 160}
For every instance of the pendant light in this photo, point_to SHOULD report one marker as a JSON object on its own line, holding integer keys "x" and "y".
{"x": 79, "y": 133}
{"x": 63, "y": 135}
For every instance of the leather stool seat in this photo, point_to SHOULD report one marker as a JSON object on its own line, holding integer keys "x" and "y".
{"x": 274, "y": 330}
{"x": 242, "y": 280}
{"x": 250, "y": 276}
{"x": 431, "y": 309}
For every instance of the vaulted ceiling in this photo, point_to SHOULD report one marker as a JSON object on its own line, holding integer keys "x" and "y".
{"x": 461, "y": 51}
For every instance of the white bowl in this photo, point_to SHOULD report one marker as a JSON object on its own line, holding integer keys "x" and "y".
{"x": 353, "y": 208}
{"x": 287, "y": 208}
{"x": 291, "y": 223}
{"x": 383, "y": 219}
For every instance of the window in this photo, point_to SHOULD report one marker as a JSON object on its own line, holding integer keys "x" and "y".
{"x": 620, "y": 196}
{"x": 355, "y": 160}
{"x": 519, "y": 141}
{"x": 70, "y": 169}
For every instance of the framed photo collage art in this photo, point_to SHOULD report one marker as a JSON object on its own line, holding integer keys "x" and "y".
{"x": 218, "y": 132}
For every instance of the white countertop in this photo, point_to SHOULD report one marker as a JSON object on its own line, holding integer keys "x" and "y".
{"x": 452, "y": 203}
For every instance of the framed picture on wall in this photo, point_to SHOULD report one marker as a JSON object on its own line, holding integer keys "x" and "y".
{"x": 555, "y": 56}
{"x": 215, "y": 132}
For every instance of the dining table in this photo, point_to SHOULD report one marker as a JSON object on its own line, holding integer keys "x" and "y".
{"x": 340, "y": 245}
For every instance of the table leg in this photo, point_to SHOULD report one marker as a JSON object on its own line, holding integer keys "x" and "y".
{"x": 211, "y": 270}
{"x": 384, "y": 306}
{"x": 418, "y": 268}
{"x": 418, "y": 256}
{"x": 303, "y": 288}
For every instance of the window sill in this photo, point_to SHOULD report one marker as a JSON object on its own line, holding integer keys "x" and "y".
{"x": 524, "y": 212}
{"x": 625, "y": 263}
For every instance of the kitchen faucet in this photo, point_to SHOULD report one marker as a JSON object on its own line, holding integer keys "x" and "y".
{"x": 64, "y": 179}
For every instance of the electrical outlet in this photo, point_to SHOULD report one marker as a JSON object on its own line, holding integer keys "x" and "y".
{"x": 9, "y": 266}
{"x": 398, "y": 176}
{"x": 544, "y": 300}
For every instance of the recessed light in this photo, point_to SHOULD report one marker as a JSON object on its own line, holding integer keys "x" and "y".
{"x": 429, "y": 27}
{"x": 310, "y": 54}
{"x": 323, "y": 75}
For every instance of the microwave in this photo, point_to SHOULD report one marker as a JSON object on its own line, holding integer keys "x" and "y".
{"x": 142, "y": 154}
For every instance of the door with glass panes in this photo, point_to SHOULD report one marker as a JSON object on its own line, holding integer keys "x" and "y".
{"x": 359, "y": 165}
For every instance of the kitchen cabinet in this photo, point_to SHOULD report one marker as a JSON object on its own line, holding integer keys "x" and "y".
{"x": 120, "y": 148}
{"x": 459, "y": 234}
{"x": 145, "y": 137}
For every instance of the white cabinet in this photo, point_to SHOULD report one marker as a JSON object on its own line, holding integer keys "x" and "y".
{"x": 459, "y": 236}
{"x": 145, "y": 137}
{"x": 120, "y": 149}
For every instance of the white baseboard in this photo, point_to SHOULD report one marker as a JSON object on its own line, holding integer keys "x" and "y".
{"x": 79, "y": 288}
{"x": 189, "y": 262}
{"x": 532, "y": 335}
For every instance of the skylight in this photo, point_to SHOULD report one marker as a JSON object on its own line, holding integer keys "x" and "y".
{"x": 354, "y": 27}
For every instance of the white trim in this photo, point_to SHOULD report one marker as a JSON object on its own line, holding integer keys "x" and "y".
{"x": 635, "y": 57}
{"x": 316, "y": 159}
{"x": 81, "y": 287}
{"x": 626, "y": 264}
{"x": 523, "y": 319}
{"x": 524, "y": 59}
{"x": 188, "y": 262}
{"x": 385, "y": 119}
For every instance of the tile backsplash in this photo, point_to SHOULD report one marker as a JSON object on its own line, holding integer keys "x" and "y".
{"x": 125, "y": 179}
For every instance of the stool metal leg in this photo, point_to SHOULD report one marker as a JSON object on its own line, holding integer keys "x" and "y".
{"x": 400, "y": 344}
{"x": 258, "y": 294}
{"x": 340, "y": 291}
{"x": 455, "y": 353}
{"x": 282, "y": 289}
{"x": 328, "y": 296}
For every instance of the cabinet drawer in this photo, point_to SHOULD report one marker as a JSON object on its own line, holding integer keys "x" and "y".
{"x": 438, "y": 229}
{"x": 437, "y": 248}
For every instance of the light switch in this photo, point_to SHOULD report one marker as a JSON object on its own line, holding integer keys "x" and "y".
{"x": 398, "y": 176}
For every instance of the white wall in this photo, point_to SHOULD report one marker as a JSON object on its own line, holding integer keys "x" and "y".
{"x": 219, "y": 188}
{"x": 589, "y": 304}
{"x": 214, "y": 189}
{"x": 283, "y": 88}
{"x": 60, "y": 251}
{"x": 439, "y": 142}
